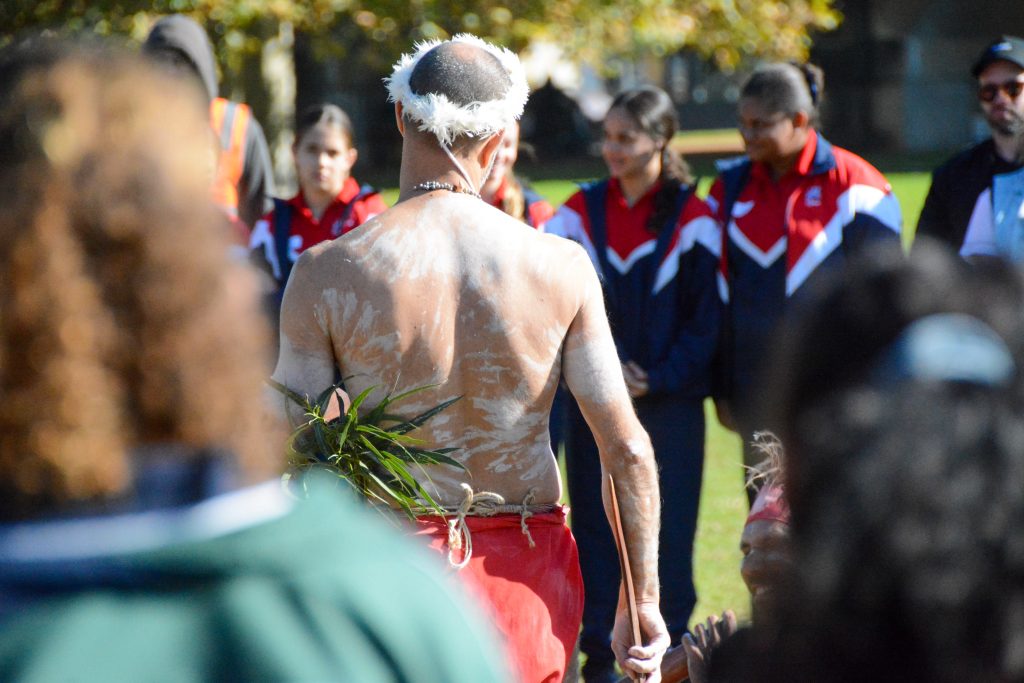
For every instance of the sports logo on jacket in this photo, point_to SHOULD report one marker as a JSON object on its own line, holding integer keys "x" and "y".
{"x": 813, "y": 196}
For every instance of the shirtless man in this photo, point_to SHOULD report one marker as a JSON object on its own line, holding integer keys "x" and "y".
{"x": 443, "y": 289}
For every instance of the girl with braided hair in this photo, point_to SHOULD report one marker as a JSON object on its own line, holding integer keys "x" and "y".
{"x": 655, "y": 246}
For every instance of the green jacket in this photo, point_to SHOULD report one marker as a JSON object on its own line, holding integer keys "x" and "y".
{"x": 323, "y": 590}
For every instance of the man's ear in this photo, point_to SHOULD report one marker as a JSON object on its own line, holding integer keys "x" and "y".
{"x": 801, "y": 119}
{"x": 490, "y": 147}
{"x": 399, "y": 120}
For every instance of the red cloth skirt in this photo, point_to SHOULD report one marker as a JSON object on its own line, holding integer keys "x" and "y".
{"x": 533, "y": 595}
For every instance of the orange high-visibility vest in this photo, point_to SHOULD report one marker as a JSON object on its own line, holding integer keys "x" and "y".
{"x": 229, "y": 121}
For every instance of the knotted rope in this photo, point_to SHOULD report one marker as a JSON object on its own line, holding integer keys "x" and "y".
{"x": 486, "y": 504}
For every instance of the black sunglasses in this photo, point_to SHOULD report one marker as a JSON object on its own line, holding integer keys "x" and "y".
{"x": 989, "y": 91}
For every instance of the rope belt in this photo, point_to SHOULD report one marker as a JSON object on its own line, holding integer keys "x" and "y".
{"x": 486, "y": 504}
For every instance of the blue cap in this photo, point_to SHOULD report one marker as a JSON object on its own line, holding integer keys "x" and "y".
{"x": 1006, "y": 49}
{"x": 948, "y": 347}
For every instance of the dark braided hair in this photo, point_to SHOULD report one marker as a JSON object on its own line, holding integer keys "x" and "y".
{"x": 654, "y": 112}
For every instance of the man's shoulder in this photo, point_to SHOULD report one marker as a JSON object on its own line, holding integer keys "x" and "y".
{"x": 975, "y": 158}
{"x": 338, "y": 253}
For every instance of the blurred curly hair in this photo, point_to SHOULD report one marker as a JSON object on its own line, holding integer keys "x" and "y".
{"x": 122, "y": 321}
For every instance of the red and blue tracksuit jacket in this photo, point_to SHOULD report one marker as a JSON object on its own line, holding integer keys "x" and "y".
{"x": 659, "y": 289}
{"x": 289, "y": 229}
{"x": 779, "y": 237}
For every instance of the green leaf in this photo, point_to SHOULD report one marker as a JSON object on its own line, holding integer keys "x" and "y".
{"x": 411, "y": 392}
{"x": 293, "y": 395}
{"x": 358, "y": 400}
{"x": 435, "y": 458}
{"x": 321, "y": 440}
{"x": 422, "y": 418}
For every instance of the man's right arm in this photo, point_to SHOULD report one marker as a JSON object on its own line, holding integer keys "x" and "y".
{"x": 305, "y": 363}
{"x": 592, "y": 372}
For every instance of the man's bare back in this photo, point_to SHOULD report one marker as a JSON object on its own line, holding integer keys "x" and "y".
{"x": 446, "y": 290}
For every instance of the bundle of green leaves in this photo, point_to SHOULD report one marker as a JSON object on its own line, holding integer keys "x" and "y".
{"x": 374, "y": 452}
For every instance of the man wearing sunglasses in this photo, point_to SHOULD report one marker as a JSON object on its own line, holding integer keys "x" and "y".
{"x": 958, "y": 209}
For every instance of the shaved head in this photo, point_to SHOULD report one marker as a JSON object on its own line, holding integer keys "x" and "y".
{"x": 461, "y": 72}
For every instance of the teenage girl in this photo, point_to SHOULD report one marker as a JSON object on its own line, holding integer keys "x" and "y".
{"x": 656, "y": 247}
{"x": 329, "y": 203}
{"x": 792, "y": 208}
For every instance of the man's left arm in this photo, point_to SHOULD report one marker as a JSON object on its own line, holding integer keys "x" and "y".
{"x": 591, "y": 370}
{"x": 305, "y": 362}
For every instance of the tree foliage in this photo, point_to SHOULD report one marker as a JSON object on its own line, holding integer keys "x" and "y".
{"x": 728, "y": 31}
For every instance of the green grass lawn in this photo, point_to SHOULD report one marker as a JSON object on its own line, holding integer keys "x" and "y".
{"x": 723, "y": 503}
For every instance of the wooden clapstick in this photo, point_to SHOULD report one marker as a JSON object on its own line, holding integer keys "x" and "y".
{"x": 627, "y": 574}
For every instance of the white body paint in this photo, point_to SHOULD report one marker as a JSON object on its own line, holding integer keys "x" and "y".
{"x": 446, "y": 290}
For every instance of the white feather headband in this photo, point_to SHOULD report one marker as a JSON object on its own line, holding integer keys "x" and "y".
{"x": 447, "y": 120}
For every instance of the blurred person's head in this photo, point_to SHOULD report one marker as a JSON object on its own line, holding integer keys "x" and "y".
{"x": 324, "y": 152}
{"x": 504, "y": 161}
{"x": 180, "y": 46}
{"x": 123, "y": 324}
{"x": 897, "y": 392}
{"x": 778, "y": 107}
{"x": 1000, "y": 73}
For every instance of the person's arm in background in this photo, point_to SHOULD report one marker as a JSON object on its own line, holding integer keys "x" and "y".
{"x": 935, "y": 220}
{"x": 721, "y": 366}
{"x": 876, "y": 215}
{"x": 592, "y": 372}
{"x": 538, "y": 213}
{"x": 256, "y": 186}
{"x": 262, "y": 248}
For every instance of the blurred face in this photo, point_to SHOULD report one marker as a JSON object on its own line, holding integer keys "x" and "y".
{"x": 628, "y": 151}
{"x": 767, "y": 560}
{"x": 504, "y": 160}
{"x": 323, "y": 159}
{"x": 770, "y": 137}
{"x": 1001, "y": 93}
{"x": 508, "y": 151}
